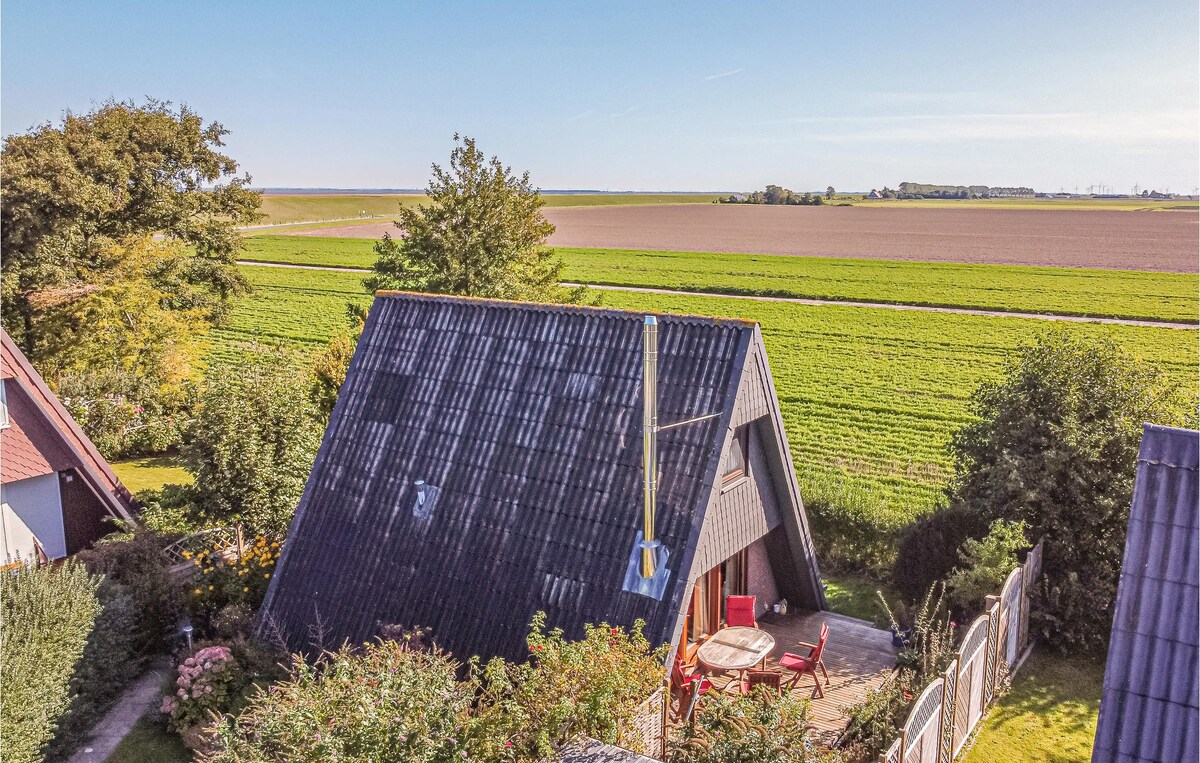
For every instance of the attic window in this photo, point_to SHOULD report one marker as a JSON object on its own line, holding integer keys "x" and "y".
{"x": 3, "y": 406}
{"x": 427, "y": 496}
{"x": 735, "y": 464}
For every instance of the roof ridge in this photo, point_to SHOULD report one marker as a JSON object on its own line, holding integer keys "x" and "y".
{"x": 557, "y": 307}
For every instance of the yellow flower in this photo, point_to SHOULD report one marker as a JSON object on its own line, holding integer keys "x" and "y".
{"x": 197, "y": 591}
{"x": 267, "y": 575}
{"x": 210, "y": 588}
{"x": 187, "y": 554}
{"x": 245, "y": 589}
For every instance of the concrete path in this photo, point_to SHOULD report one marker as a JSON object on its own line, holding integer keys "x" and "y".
{"x": 143, "y": 695}
{"x": 814, "y": 302}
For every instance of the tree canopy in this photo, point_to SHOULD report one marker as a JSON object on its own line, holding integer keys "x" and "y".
{"x": 1055, "y": 446}
{"x": 70, "y": 191}
{"x": 480, "y": 233}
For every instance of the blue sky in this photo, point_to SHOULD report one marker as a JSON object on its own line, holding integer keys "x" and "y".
{"x": 651, "y": 96}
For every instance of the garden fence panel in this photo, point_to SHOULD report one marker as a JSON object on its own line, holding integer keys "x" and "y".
{"x": 1011, "y": 599}
{"x": 893, "y": 754}
{"x": 946, "y": 723}
{"x": 643, "y": 734}
{"x": 972, "y": 673}
{"x": 993, "y": 652}
{"x": 1029, "y": 578}
{"x": 923, "y": 729}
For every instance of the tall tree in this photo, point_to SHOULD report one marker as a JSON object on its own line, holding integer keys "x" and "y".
{"x": 253, "y": 444}
{"x": 480, "y": 233}
{"x": 71, "y": 190}
{"x": 1055, "y": 446}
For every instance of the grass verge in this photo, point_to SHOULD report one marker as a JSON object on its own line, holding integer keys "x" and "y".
{"x": 150, "y": 741}
{"x": 1049, "y": 715}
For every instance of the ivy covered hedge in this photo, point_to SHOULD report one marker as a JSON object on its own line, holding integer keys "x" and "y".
{"x": 48, "y": 614}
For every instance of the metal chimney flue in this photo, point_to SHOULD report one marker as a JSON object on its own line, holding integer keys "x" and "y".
{"x": 649, "y": 442}
{"x": 647, "y": 572}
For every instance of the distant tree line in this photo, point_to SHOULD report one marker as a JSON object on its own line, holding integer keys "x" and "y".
{"x": 778, "y": 195}
{"x": 927, "y": 191}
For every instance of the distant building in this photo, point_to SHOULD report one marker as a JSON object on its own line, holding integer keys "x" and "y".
{"x": 56, "y": 490}
{"x": 1150, "y": 709}
{"x": 874, "y": 194}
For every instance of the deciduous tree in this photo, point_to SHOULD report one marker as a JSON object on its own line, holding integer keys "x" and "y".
{"x": 71, "y": 190}
{"x": 1055, "y": 446}
{"x": 480, "y": 233}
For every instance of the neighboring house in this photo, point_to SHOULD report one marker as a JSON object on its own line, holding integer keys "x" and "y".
{"x": 484, "y": 462}
{"x": 874, "y": 194}
{"x": 55, "y": 487}
{"x": 1150, "y": 709}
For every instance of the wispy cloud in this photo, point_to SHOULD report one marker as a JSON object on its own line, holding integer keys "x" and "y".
{"x": 582, "y": 115}
{"x": 725, "y": 74}
{"x": 1163, "y": 126}
{"x": 625, "y": 113}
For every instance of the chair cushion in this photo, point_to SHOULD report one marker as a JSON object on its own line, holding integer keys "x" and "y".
{"x": 795, "y": 662}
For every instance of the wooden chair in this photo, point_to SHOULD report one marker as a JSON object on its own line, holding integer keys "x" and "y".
{"x": 808, "y": 664}
{"x": 689, "y": 685}
{"x": 739, "y": 610}
{"x": 772, "y": 679}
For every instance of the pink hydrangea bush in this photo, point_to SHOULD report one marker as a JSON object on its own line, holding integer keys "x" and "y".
{"x": 203, "y": 685}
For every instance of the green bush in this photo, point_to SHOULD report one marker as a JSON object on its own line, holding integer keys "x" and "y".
{"x": 928, "y": 548}
{"x": 986, "y": 564}
{"x": 1055, "y": 445}
{"x": 568, "y": 688}
{"x": 138, "y": 564}
{"x": 380, "y": 702}
{"x": 48, "y": 613}
{"x": 762, "y": 728}
{"x": 875, "y": 722}
{"x": 109, "y": 663}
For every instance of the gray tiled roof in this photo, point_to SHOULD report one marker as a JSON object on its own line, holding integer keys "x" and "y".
{"x": 527, "y": 420}
{"x": 1150, "y": 709}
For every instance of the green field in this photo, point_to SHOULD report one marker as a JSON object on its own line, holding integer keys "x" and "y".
{"x": 1065, "y": 291}
{"x": 1049, "y": 716}
{"x": 138, "y": 474}
{"x": 288, "y": 208}
{"x": 870, "y": 397}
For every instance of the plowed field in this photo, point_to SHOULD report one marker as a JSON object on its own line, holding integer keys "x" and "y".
{"x": 1162, "y": 241}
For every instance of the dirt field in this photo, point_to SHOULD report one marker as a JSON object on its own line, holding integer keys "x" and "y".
{"x": 1164, "y": 241}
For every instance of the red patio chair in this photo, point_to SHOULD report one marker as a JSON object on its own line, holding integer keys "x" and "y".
{"x": 809, "y": 663}
{"x": 739, "y": 610}
{"x": 772, "y": 679}
{"x": 690, "y": 685}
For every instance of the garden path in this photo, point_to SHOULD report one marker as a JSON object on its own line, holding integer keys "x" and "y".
{"x": 141, "y": 696}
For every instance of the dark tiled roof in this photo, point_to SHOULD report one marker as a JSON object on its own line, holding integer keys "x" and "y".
{"x": 1150, "y": 709}
{"x": 527, "y": 420}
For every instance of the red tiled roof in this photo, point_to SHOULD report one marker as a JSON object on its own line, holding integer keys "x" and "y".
{"x": 43, "y": 438}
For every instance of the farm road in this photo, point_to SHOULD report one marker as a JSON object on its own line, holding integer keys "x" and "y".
{"x": 803, "y": 301}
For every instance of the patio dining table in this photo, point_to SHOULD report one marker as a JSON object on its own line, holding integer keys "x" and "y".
{"x": 735, "y": 649}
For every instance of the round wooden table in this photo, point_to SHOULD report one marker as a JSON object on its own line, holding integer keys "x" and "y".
{"x": 736, "y": 648}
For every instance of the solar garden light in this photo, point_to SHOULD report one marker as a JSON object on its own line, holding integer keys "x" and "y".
{"x": 185, "y": 628}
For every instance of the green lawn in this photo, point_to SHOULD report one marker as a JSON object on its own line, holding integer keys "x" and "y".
{"x": 855, "y": 596}
{"x": 285, "y": 208}
{"x": 152, "y": 473}
{"x": 1065, "y": 291}
{"x": 1049, "y": 715}
{"x": 150, "y": 742}
{"x": 870, "y": 397}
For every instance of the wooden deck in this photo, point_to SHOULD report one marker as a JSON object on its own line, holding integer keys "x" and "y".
{"x": 858, "y": 656}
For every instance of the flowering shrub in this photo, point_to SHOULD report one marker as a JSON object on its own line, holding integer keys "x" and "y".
{"x": 203, "y": 685}
{"x": 567, "y": 688}
{"x": 223, "y": 580}
{"x": 380, "y": 702}
{"x": 762, "y": 727}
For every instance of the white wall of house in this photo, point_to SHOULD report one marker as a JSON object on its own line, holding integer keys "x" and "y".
{"x": 32, "y": 507}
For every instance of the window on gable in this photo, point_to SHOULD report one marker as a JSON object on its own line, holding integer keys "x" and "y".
{"x": 3, "y": 406}
{"x": 735, "y": 464}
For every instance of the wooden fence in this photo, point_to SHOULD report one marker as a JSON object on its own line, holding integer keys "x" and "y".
{"x": 949, "y": 709}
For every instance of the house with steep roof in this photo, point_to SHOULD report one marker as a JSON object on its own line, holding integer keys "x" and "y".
{"x": 485, "y": 461}
{"x": 56, "y": 490}
{"x": 1150, "y": 708}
